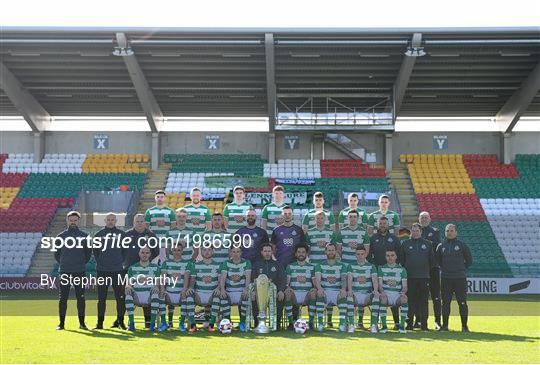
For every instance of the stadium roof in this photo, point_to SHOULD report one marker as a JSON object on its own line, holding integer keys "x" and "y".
{"x": 177, "y": 72}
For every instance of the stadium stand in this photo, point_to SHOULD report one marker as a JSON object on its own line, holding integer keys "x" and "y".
{"x": 240, "y": 165}
{"x": 17, "y": 251}
{"x": 293, "y": 169}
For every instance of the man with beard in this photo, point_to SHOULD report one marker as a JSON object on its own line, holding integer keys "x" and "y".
{"x": 286, "y": 237}
{"x": 251, "y": 247}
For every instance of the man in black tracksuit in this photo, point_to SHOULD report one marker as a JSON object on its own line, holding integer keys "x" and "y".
{"x": 72, "y": 264}
{"x": 432, "y": 234}
{"x": 109, "y": 260}
{"x": 454, "y": 258}
{"x": 379, "y": 243}
{"x": 139, "y": 234}
{"x": 418, "y": 258}
{"x": 276, "y": 274}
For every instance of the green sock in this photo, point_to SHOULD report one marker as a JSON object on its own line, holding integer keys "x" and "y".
{"x": 288, "y": 310}
{"x": 131, "y": 318}
{"x": 163, "y": 318}
{"x": 312, "y": 306}
{"x": 382, "y": 314}
{"x": 153, "y": 318}
{"x": 360, "y": 314}
{"x": 374, "y": 311}
{"x": 182, "y": 319}
{"x": 404, "y": 309}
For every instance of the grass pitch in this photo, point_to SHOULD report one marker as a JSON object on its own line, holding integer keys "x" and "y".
{"x": 505, "y": 329}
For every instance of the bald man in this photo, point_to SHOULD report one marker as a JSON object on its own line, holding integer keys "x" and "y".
{"x": 109, "y": 266}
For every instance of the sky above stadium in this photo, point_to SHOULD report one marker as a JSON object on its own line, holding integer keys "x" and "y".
{"x": 275, "y": 13}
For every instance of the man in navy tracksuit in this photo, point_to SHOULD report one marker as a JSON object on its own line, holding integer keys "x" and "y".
{"x": 109, "y": 267}
{"x": 71, "y": 268}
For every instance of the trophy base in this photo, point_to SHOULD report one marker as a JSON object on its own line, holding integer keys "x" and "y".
{"x": 261, "y": 329}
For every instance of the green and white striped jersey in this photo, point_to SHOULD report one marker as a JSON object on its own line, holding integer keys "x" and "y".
{"x": 141, "y": 273}
{"x": 216, "y": 239}
{"x": 187, "y": 253}
{"x": 343, "y": 218}
{"x": 175, "y": 269}
{"x": 332, "y": 276}
{"x": 392, "y": 277}
{"x": 197, "y": 217}
{"x": 317, "y": 240}
{"x": 301, "y": 275}
{"x": 206, "y": 275}
{"x": 160, "y": 219}
{"x": 236, "y": 274}
{"x": 309, "y": 219}
{"x": 362, "y": 277}
{"x": 236, "y": 215}
{"x": 393, "y": 220}
{"x": 272, "y": 213}
{"x": 350, "y": 238}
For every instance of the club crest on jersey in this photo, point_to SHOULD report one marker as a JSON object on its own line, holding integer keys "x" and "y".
{"x": 430, "y": 234}
{"x": 390, "y": 239}
{"x": 293, "y": 233}
{"x": 273, "y": 269}
{"x": 410, "y": 247}
{"x": 424, "y": 246}
{"x": 255, "y": 235}
{"x": 456, "y": 248}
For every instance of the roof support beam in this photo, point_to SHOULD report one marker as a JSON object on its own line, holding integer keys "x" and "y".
{"x": 404, "y": 74}
{"x": 511, "y": 111}
{"x": 270, "y": 80}
{"x": 146, "y": 97}
{"x": 35, "y": 115}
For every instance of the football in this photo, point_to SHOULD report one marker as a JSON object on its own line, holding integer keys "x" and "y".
{"x": 225, "y": 326}
{"x": 301, "y": 326}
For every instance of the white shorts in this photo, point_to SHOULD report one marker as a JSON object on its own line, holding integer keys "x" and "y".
{"x": 205, "y": 298}
{"x": 331, "y": 296}
{"x": 235, "y": 297}
{"x": 143, "y": 298}
{"x": 392, "y": 298}
{"x": 300, "y": 296}
{"x": 361, "y": 298}
{"x": 174, "y": 298}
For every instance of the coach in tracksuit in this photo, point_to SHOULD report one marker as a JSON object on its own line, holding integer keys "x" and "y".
{"x": 432, "y": 234}
{"x": 418, "y": 258}
{"x": 139, "y": 234}
{"x": 276, "y": 273}
{"x": 454, "y": 258}
{"x": 72, "y": 265}
{"x": 379, "y": 243}
{"x": 109, "y": 267}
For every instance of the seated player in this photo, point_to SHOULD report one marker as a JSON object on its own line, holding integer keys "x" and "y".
{"x": 203, "y": 276}
{"x": 143, "y": 294}
{"x": 392, "y": 289}
{"x": 300, "y": 290}
{"x": 363, "y": 290}
{"x": 175, "y": 267}
{"x": 234, "y": 280}
{"x": 331, "y": 283}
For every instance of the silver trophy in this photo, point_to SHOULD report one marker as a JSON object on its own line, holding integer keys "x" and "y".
{"x": 262, "y": 291}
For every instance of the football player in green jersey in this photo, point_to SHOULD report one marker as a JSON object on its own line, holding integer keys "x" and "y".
{"x": 199, "y": 215}
{"x": 393, "y": 289}
{"x": 363, "y": 290}
{"x": 343, "y": 219}
{"x": 300, "y": 290}
{"x": 308, "y": 222}
{"x": 145, "y": 291}
{"x": 271, "y": 216}
{"x": 234, "y": 214}
{"x": 159, "y": 219}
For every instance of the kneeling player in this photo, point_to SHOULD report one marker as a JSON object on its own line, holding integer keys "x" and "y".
{"x": 235, "y": 277}
{"x": 331, "y": 283}
{"x": 300, "y": 289}
{"x": 174, "y": 268}
{"x": 392, "y": 288}
{"x": 203, "y": 280}
{"x": 364, "y": 287}
{"x": 143, "y": 294}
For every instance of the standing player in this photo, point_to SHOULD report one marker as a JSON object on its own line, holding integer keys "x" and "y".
{"x": 309, "y": 218}
{"x": 300, "y": 289}
{"x": 363, "y": 290}
{"x": 352, "y": 236}
{"x": 175, "y": 267}
{"x": 271, "y": 213}
{"x": 218, "y": 238}
{"x": 251, "y": 249}
{"x": 318, "y": 237}
{"x": 234, "y": 214}
{"x": 286, "y": 237}
{"x": 159, "y": 219}
{"x": 235, "y": 277}
{"x": 203, "y": 277}
{"x": 179, "y": 233}
{"x": 331, "y": 283}
{"x": 144, "y": 293}
{"x": 343, "y": 217}
{"x": 392, "y": 288}
{"x": 393, "y": 217}
{"x": 198, "y": 219}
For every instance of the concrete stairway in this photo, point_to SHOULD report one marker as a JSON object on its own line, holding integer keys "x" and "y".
{"x": 43, "y": 260}
{"x": 156, "y": 180}
{"x": 399, "y": 178}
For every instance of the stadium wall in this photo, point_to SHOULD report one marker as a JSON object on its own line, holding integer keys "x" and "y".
{"x": 16, "y": 142}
